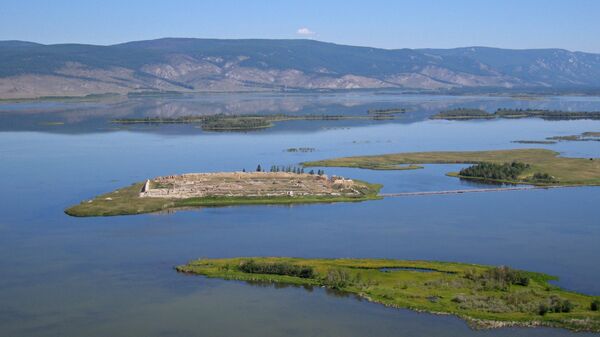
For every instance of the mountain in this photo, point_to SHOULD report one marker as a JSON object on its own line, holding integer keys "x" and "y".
{"x": 29, "y": 70}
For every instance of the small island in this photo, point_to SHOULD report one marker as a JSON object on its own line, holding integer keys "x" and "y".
{"x": 387, "y": 111}
{"x": 485, "y": 296}
{"x": 584, "y": 137}
{"x": 472, "y": 113}
{"x": 224, "y": 122}
{"x": 226, "y": 189}
{"x": 463, "y": 113}
{"x": 520, "y": 166}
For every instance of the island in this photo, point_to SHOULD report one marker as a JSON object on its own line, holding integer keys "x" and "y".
{"x": 224, "y": 122}
{"x": 225, "y": 189}
{"x": 484, "y": 296}
{"x": 473, "y": 113}
{"x": 546, "y": 142}
{"x": 386, "y": 111}
{"x": 519, "y": 166}
{"x": 463, "y": 113}
{"x": 583, "y": 137}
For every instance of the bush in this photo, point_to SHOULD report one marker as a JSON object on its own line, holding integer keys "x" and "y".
{"x": 543, "y": 309}
{"x": 595, "y": 305}
{"x": 277, "y": 268}
{"x": 558, "y": 304}
{"x": 336, "y": 278}
{"x": 539, "y": 177}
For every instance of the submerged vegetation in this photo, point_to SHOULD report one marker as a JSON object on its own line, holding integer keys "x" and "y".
{"x": 471, "y": 113}
{"x": 487, "y": 297}
{"x": 544, "y": 167}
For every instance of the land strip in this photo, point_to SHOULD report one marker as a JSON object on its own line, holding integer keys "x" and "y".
{"x": 472, "y": 190}
{"x": 536, "y": 163}
{"x": 470, "y": 113}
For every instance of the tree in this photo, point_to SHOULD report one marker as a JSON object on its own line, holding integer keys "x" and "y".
{"x": 258, "y": 168}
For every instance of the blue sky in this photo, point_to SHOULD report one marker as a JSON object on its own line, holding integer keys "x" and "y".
{"x": 569, "y": 24}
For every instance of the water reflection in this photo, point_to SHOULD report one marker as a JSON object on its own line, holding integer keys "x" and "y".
{"x": 94, "y": 115}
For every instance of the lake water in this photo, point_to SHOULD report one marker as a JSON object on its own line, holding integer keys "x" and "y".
{"x": 113, "y": 276}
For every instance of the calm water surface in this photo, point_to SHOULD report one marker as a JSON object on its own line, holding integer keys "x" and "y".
{"x": 64, "y": 276}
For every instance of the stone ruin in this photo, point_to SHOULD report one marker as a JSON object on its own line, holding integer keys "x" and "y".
{"x": 247, "y": 184}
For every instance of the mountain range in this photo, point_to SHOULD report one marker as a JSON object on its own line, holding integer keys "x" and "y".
{"x": 31, "y": 70}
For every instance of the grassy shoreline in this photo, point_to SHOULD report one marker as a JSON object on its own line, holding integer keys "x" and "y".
{"x": 567, "y": 171}
{"x": 126, "y": 201}
{"x": 485, "y": 296}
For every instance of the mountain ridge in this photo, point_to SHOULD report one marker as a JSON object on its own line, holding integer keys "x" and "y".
{"x": 30, "y": 70}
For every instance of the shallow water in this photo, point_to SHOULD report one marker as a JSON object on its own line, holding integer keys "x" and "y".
{"x": 62, "y": 276}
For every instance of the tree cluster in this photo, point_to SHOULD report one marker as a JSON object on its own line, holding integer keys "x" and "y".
{"x": 493, "y": 171}
{"x": 500, "y": 278}
{"x": 555, "y": 304}
{"x": 277, "y": 268}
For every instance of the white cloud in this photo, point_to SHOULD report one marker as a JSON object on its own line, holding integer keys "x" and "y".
{"x": 305, "y": 32}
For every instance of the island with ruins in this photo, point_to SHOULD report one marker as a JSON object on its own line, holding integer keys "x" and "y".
{"x": 225, "y": 189}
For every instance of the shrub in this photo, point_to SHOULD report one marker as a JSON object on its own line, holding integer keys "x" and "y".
{"x": 460, "y": 298}
{"x": 336, "y": 278}
{"x": 539, "y": 177}
{"x": 543, "y": 309}
{"x": 558, "y": 304}
{"x": 595, "y": 305}
{"x": 277, "y": 268}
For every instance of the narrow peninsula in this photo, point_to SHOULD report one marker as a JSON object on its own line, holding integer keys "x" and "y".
{"x": 225, "y": 189}
{"x": 485, "y": 296}
{"x": 520, "y": 166}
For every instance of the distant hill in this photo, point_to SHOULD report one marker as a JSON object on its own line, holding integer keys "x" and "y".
{"x": 189, "y": 65}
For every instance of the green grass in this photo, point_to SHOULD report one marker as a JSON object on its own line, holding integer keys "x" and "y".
{"x": 469, "y": 291}
{"x": 567, "y": 171}
{"x": 126, "y": 201}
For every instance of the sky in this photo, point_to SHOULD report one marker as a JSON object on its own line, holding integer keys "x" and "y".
{"x": 567, "y": 24}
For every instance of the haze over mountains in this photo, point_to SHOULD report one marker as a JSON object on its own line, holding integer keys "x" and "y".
{"x": 29, "y": 70}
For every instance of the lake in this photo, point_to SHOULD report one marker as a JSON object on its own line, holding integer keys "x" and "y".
{"x": 113, "y": 276}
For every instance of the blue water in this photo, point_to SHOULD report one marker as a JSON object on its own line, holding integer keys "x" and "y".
{"x": 64, "y": 276}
